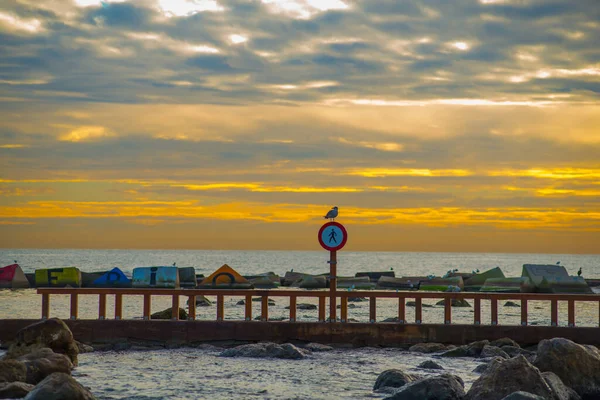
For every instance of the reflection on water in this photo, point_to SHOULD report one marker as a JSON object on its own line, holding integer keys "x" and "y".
{"x": 199, "y": 373}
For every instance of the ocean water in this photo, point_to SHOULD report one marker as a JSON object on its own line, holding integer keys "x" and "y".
{"x": 199, "y": 373}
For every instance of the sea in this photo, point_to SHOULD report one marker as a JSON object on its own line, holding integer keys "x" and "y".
{"x": 344, "y": 373}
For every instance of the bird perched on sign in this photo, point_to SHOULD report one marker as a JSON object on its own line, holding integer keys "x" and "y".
{"x": 332, "y": 214}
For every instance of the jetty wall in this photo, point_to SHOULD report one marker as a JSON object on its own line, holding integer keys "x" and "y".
{"x": 353, "y": 334}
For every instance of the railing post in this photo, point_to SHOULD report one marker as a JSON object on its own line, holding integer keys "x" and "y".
{"x": 147, "y": 306}
{"x": 220, "y": 307}
{"x": 571, "y": 312}
{"x": 74, "y": 306}
{"x": 477, "y": 311}
{"x": 175, "y": 307}
{"x": 401, "y": 310}
{"x": 321, "y": 309}
{"x": 372, "y": 309}
{"x": 293, "y": 305}
{"x": 554, "y": 312}
{"x": 118, "y": 306}
{"x": 102, "y": 306}
{"x": 447, "y": 310}
{"x": 264, "y": 309}
{"x": 524, "y": 312}
{"x": 45, "y": 305}
{"x": 343, "y": 309}
{"x": 418, "y": 310}
{"x": 248, "y": 306}
{"x": 191, "y": 308}
{"x": 494, "y": 306}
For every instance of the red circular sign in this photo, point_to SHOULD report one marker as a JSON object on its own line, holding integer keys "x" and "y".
{"x": 333, "y": 239}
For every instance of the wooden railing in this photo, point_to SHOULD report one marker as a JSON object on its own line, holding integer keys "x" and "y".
{"x": 293, "y": 295}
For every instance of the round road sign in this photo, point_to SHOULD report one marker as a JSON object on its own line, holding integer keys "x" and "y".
{"x": 333, "y": 236}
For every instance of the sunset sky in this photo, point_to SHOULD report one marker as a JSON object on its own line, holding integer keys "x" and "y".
{"x": 434, "y": 125}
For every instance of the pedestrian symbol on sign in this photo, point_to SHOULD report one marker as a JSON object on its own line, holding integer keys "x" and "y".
{"x": 332, "y": 236}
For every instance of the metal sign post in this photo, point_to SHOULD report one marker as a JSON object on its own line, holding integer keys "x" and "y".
{"x": 332, "y": 237}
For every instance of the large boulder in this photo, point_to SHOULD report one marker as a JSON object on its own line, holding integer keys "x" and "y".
{"x": 427, "y": 348}
{"x": 561, "y": 391}
{"x": 429, "y": 364}
{"x": 317, "y": 347}
{"x": 471, "y": 350}
{"x": 59, "y": 386}
{"x": 43, "y": 362}
{"x": 577, "y": 366}
{"x": 201, "y": 301}
{"x": 507, "y": 376}
{"x": 14, "y": 390}
{"x": 265, "y": 350}
{"x": 392, "y": 378}
{"x": 439, "y": 387}
{"x": 454, "y": 303}
{"x": 52, "y": 333}
{"x": 167, "y": 314}
{"x": 12, "y": 371}
{"x": 520, "y": 395}
{"x": 492, "y": 351}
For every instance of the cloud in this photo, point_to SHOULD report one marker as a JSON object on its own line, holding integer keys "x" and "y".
{"x": 86, "y": 133}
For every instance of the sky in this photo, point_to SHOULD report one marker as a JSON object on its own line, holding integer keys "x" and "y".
{"x": 434, "y": 125}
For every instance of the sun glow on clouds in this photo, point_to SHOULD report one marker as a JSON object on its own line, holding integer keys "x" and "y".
{"x": 19, "y": 24}
{"x": 180, "y": 8}
{"x": 86, "y": 133}
{"x": 304, "y": 8}
{"x": 237, "y": 39}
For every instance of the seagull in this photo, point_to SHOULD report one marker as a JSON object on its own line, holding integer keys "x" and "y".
{"x": 332, "y": 214}
{"x": 558, "y": 263}
{"x": 579, "y": 272}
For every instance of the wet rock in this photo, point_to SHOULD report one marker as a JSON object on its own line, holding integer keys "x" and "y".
{"x": 392, "y": 378}
{"x": 167, "y": 314}
{"x": 201, "y": 301}
{"x": 513, "y": 351}
{"x": 561, "y": 391}
{"x": 14, "y": 390}
{"x": 12, "y": 370}
{"x": 455, "y": 303}
{"x": 414, "y": 304}
{"x": 51, "y": 333}
{"x": 266, "y": 350}
{"x": 511, "y": 304}
{"x": 304, "y": 306}
{"x": 258, "y": 318}
{"x": 44, "y": 362}
{"x": 84, "y": 348}
{"x": 504, "y": 342}
{"x": 357, "y": 299}
{"x": 59, "y": 386}
{"x": 439, "y": 387}
{"x": 122, "y": 346}
{"x": 481, "y": 368}
{"x": 349, "y": 306}
{"x": 271, "y": 302}
{"x": 493, "y": 351}
{"x": 577, "y": 366}
{"x": 504, "y": 377}
{"x": 474, "y": 349}
{"x": 461, "y": 351}
{"x": 429, "y": 364}
{"x": 318, "y": 347}
{"x": 523, "y": 396}
{"x": 427, "y": 348}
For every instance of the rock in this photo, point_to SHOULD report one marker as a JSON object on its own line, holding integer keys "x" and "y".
{"x": 167, "y": 314}
{"x": 304, "y": 306}
{"x": 577, "y": 366}
{"x": 511, "y": 304}
{"x": 438, "y": 387}
{"x": 59, "y": 386}
{"x": 428, "y": 364}
{"x": 414, "y": 304}
{"x": 504, "y": 342}
{"x": 52, "y": 333}
{"x": 504, "y": 377}
{"x": 455, "y": 303}
{"x": 349, "y": 306}
{"x": 12, "y": 370}
{"x": 513, "y": 351}
{"x": 392, "y": 378}
{"x": 461, "y": 351}
{"x": 392, "y": 319}
{"x": 523, "y": 396}
{"x": 265, "y": 350}
{"x": 14, "y": 390}
{"x": 493, "y": 351}
{"x": 357, "y": 299}
{"x": 258, "y": 318}
{"x": 44, "y": 362}
{"x": 243, "y": 302}
{"x": 427, "y": 348}
{"x": 122, "y": 346}
{"x": 474, "y": 349}
{"x": 481, "y": 368}
{"x": 317, "y": 347}
{"x": 84, "y": 348}
{"x": 561, "y": 391}
{"x": 201, "y": 301}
